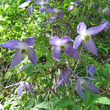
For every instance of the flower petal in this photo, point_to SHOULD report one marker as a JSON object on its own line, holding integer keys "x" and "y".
{"x": 19, "y": 90}
{"x": 60, "y": 13}
{"x": 81, "y": 94}
{"x": 60, "y": 80}
{"x": 40, "y": 2}
{"x": 90, "y": 86}
{"x": 66, "y": 39}
{"x": 30, "y": 41}
{"x": 90, "y": 69}
{"x": 53, "y": 17}
{"x": 32, "y": 55}
{"x": 90, "y": 46}
{"x": 71, "y": 51}
{"x": 73, "y": 73}
{"x": 49, "y": 9}
{"x": 16, "y": 59}
{"x": 24, "y": 4}
{"x": 12, "y": 44}
{"x": 56, "y": 53}
{"x": 77, "y": 41}
{"x": 31, "y": 90}
{"x": 71, "y": 8}
{"x": 96, "y": 29}
{"x": 78, "y": 86}
{"x": 30, "y": 9}
{"x": 26, "y": 86}
{"x": 65, "y": 75}
{"x": 42, "y": 9}
{"x": 81, "y": 28}
{"x": 54, "y": 40}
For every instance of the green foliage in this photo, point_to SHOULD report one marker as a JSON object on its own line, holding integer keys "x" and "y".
{"x": 17, "y": 24}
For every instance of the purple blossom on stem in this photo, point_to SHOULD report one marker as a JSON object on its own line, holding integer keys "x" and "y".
{"x": 106, "y": 11}
{"x": 22, "y": 85}
{"x": 84, "y": 83}
{"x": 107, "y": 28}
{"x": 65, "y": 77}
{"x": 85, "y": 36}
{"x": 56, "y": 12}
{"x": 90, "y": 70}
{"x": 25, "y": 4}
{"x": 61, "y": 44}
{"x": 44, "y": 5}
{"x": 74, "y": 5}
{"x": 23, "y": 48}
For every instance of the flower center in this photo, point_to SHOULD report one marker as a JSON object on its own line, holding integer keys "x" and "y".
{"x": 87, "y": 38}
{"x": 82, "y": 83}
{"x": 23, "y": 51}
{"x": 105, "y": 11}
{"x": 62, "y": 47}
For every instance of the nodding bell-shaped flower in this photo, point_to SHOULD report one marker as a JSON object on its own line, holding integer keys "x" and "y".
{"x": 44, "y": 5}
{"x": 22, "y": 85}
{"x": 74, "y": 5}
{"x": 25, "y": 4}
{"x": 90, "y": 70}
{"x": 56, "y": 12}
{"x": 84, "y": 83}
{"x": 61, "y": 44}
{"x": 23, "y": 48}
{"x": 86, "y": 36}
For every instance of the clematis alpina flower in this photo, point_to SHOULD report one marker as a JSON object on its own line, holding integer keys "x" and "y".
{"x": 25, "y": 4}
{"x": 21, "y": 86}
{"x": 90, "y": 69}
{"x": 65, "y": 76}
{"x": 85, "y": 36}
{"x": 44, "y": 5}
{"x": 107, "y": 28}
{"x": 84, "y": 83}
{"x": 23, "y": 48}
{"x": 74, "y": 5}
{"x": 61, "y": 44}
{"x": 56, "y": 12}
{"x": 106, "y": 11}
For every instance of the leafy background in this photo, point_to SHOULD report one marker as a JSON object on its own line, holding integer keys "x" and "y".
{"x": 16, "y": 23}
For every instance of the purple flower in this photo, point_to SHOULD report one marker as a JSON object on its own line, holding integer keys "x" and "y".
{"x": 56, "y": 12}
{"x": 21, "y": 86}
{"x": 106, "y": 11}
{"x": 90, "y": 69}
{"x": 107, "y": 28}
{"x": 44, "y": 5}
{"x": 85, "y": 36}
{"x": 73, "y": 5}
{"x": 65, "y": 76}
{"x": 25, "y": 4}
{"x": 23, "y": 48}
{"x": 84, "y": 83}
{"x": 61, "y": 44}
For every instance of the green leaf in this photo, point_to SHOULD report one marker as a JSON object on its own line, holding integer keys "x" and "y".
{"x": 29, "y": 103}
{"x": 63, "y": 104}
{"x": 103, "y": 100}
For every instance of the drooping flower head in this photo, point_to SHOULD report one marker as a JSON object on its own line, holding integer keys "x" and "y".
{"x": 25, "y": 4}
{"x": 22, "y": 85}
{"x": 23, "y": 48}
{"x": 74, "y": 5}
{"x": 85, "y": 36}
{"x": 44, "y": 5}
{"x": 90, "y": 70}
{"x": 106, "y": 11}
{"x": 107, "y": 28}
{"x": 65, "y": 77}
{"x": 84, "y": 83}
{"x": 61, "y": 44}
{"x": 56, "y": 12}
